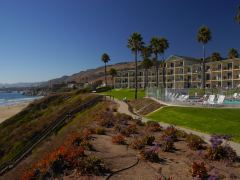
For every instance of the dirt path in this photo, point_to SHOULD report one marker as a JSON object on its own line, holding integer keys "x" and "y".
{"x": 123, "y": 108}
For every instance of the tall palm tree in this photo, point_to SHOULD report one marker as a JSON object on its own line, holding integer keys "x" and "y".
{"x": 216, "y": 56}
{"x": 113, "y": 73}
{"x": 237, "y": 17}
{"x": 135, "y": 44}
{"x": 233, "y": 53}
{"x": 146, "y": 63}
{"x": 105, "y": 58}
{"x": 204, "y": 36}
{"x": 154, "y": 44}
{"x": 164, "y": 45}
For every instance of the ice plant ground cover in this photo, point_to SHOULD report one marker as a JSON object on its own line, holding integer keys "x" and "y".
{"x": 208, "y": 120}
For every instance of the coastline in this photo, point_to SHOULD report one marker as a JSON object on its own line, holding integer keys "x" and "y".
{"x": 10, "y": 110}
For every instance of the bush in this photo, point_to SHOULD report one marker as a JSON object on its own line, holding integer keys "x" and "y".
{"x": 106, "y": 119}
{"x": 139, "y": 122}
{"x": 122, "y": 119}
{"x": 130, "y": 129}
{"x": 153, "y": 126}
{"x": 148, "y": 140}
{"x": 218, "y": 151}
{"x": 199, "y": 171}
{"x": 181, "y": 134}
{"x": 92, "y": 166}
{"x": 194, "y": 142}
{"x": 100, "y": 131}
{"x": 118, "y": 139}
{"x": 171, "y": 132}
{"x": 150, "y": 154}
{"x": 167, "y": 144}
{"x": 137, "y": 144}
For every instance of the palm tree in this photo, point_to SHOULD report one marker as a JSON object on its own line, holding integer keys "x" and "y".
{"x": 135, "y": 44}
{"x": 237, "y": 17}
{"x": 203, "y": 36}
{"x": 233, "y": 53}
{"x": 113, "y": 73}
{"x": 105, "y": 59}
{"x": 158, "y": 46}
{"x": 216, "y": 56}
{"x": 154, "y": 44}
{"x": 146, "y": 63}
{"x": 164, "y": 45}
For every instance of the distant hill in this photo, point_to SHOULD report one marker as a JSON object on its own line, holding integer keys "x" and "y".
{"x": 92, "y": 75}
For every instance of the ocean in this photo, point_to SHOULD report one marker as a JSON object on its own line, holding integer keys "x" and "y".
{"x": 11, "y": 98}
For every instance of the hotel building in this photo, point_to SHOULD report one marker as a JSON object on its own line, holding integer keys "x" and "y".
{"x": 184, "y": 72}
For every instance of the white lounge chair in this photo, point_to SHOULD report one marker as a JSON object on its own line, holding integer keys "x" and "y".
{"x": 220, "y": 100}
{"x": 210, "y": 100}
{"x": 235, "y": 95}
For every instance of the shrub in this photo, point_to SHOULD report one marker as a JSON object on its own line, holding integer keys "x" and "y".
{"x": 148, "y": 140}
{"x": 150, "y": 154}
{"x": 137, "y": 144}
{"x": 122, "y": 119}
{"x": 130, "y": 129}
{"x": 92, "y": 166}
{"x": 194, "y": 142}
{"x": 199, "y": 170}
{"x": 86, "y": 134}
{"x": 153, "y": 126}
{"x": 139, "y": 122}
{"x": 106, "y": 119}
{"x": 171, "y": 132}
{"x": 100, "y": 131}
{"x": 167, "y": 144}
{"x": 181, "y": 134}
{"x": 218, "y": 151}
{"x": 118, "y": 139}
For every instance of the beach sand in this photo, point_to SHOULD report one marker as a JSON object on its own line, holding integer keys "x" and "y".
{"x": 9, "y": 111}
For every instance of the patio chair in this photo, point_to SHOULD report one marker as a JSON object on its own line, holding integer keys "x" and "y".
{"x": 180, "y": 98}
{"x": 220, "y": 100}
{"x": 210, "y": 100}
{"x": 235, "y": 95}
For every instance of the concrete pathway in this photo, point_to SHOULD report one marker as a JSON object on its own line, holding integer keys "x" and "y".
{"x": 123, "y": 108}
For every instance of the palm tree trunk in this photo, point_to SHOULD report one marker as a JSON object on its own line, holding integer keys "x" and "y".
{"x": 203, "y": 68}
{"x": 106, "y": 74}
{"x": 164, "y": 72}
{"x": 112, "y": 81}
{"x": 136, "y": 70}
{"x": 157, "y": 67}
{"x": 147, "y": 77}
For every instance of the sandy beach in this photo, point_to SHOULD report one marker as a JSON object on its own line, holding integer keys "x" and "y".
{"x": 8, "y": 111}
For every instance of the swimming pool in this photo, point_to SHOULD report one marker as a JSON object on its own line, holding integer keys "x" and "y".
{"x": 234, "y": 102}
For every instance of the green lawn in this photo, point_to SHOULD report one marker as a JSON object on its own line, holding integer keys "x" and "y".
{"x": 212, "y": 121}
{"x": 121, "y": 93}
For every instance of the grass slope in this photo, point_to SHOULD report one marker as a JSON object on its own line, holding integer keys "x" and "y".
{"x": 219, "y": 121}
{"x": 122, "y": 93}
{"x": 21, "y": 129}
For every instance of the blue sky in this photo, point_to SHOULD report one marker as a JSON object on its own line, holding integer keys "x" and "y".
{"x": 44, "y": 39}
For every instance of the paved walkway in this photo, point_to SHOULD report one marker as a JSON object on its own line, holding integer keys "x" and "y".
{"x": 123, "y": 108}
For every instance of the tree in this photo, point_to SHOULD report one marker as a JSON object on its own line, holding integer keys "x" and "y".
{"x": 105, "y": 59}
{"x": 237, "y": 17}
{"x": 216, "y": 56}
{"x": 154, "y": 44}
{"x": 135, "y": 44}
{"x": 204, "y": 36}
{"x": 113, "y": 73}
{"x": 146, "y": 63}
{"x": 164, "y": 45}
{"x": 233, "y": 53}
{"x": 158, "y": 46}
